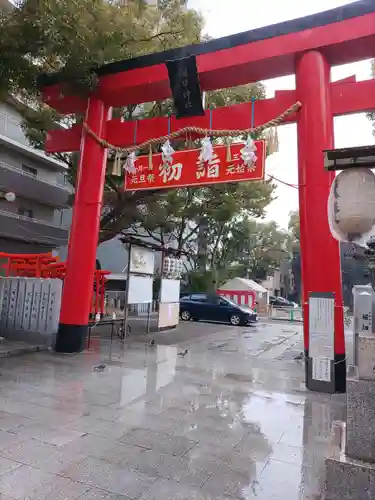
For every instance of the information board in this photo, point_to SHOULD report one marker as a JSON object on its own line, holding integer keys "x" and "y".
{"x": 321, "y": 326}
{"x": 321, "y": 369}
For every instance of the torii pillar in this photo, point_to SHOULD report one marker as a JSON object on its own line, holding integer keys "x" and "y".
{"x": 319, "y": 250}
{"x": 77, "y": 294}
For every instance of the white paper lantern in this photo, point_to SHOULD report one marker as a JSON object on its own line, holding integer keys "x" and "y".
{"x": 351, "y": 204}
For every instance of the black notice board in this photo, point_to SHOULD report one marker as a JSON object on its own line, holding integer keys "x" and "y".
{"x": 185, "y": 87}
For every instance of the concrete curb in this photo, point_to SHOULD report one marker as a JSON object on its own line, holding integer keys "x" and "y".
{"x": 19, "y": 351}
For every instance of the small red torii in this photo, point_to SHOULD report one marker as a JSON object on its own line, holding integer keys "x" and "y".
{"x": 47, "y": 266}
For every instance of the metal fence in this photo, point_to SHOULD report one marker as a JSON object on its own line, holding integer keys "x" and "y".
{"x": 115, "y": 303}
{"x": 286, "y": 313}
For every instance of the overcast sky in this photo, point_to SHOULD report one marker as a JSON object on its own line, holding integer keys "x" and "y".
{"x": 225, "y": 17}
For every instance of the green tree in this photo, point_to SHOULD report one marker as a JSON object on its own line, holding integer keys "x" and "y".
{"x": 251, "y": 249}
{"x": 176, "y": 218}
{"x": 74, "y": 37}
{"x": 371, "y": 115}
{"x": 294, "y": 226}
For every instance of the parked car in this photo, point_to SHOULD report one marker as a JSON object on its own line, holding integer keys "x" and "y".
{"x": 280, "y": 302}
{"x": 202, "y": 306}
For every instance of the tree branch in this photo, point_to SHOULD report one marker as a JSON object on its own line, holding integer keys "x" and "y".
{"x": 149, "y": 39}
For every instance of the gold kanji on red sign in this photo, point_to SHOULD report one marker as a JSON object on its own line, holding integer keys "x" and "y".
{"x": 187, "y": 169}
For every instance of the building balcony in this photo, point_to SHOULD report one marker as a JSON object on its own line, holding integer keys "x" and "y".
{"x": 19, "y": 227}
{"x": 26, "y": 185}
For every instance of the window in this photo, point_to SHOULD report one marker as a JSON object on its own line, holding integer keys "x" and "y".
{"x": 26, "y": 212}
{"x": 223, "y": 302}
{"x": 30, "y": 170}
{"x": 199, "y": 298}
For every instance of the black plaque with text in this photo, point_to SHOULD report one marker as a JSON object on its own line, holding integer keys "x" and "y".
{"x": 186, "y": 91}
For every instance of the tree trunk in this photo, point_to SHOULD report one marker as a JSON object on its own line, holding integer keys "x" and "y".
{"x": 202, "y": 244}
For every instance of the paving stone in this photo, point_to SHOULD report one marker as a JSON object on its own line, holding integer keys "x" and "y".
{"x": 104, "y": 428}
{"x": 192, "y": 472}
{"x": 97, "y": 494}
{"x": 40, "y": 432}
{"x": 165, "y": 443}
{"x": 9, "y": 421}
{"x": 159, "y": 423}
{"x": 166, "y": 489}
{"x": 210, "y": 435}
{"x": 35, "y": 484}
{"x": 110, "y": 477}
{"x": 29, "y": 452}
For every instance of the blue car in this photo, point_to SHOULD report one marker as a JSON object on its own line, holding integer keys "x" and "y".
{"x": 201, "y": 306}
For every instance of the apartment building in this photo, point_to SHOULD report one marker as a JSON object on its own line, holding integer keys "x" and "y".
{"x": 35, "y": 221}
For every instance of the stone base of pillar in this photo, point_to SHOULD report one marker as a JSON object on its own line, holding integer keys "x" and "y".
{"x": 360, "y": 419}
{"x": 347, "y": 478}
{"x": 350, "y": 466}
{"x": 366, "y": 358}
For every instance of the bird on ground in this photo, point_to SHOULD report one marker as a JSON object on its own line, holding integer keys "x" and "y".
{"x": 299, "y": 357}
{"x": 99, "y": 368}
{"x": 183, "y": 353}
{"x": 151, "y": 343}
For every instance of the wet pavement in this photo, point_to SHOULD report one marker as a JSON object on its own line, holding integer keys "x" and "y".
{"x": 229, "y": 420}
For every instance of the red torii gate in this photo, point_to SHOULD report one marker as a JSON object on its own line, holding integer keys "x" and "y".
{"x": 307, "y": 47}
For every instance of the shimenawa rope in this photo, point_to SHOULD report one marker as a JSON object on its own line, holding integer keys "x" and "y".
{"x": 196, "y": 130}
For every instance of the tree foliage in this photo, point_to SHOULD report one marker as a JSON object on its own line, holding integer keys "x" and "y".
{"x": 294, "y": 226}
{"x": 76, "y": 36}
{"x": 175, "y": 218}
{"x": 252, "y": 249}
{"x": 354, "y": 270}
{"x": 245, "y": 248}
{"x": 371, "y": 115}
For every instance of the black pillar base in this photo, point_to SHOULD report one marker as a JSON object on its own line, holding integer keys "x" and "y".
{"x": 338, "y": 376}
{"x": 71, "y": 338}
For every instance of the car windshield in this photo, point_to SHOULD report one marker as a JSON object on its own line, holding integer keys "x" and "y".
{"x": 224, "y": 299}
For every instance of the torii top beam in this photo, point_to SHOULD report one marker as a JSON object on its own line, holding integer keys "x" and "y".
{"x": 345, "y": 34}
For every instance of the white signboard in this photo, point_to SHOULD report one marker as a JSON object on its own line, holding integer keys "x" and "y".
{"x": 321, "y": 369}
{"x": 140, "y": 289}
{"x": 141, "y": 260}
{"x": 169, "y": 291}
{"x": 169, "y": 315}
{"x": 321, "y": 327}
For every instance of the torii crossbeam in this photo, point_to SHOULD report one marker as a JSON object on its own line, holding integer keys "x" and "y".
{"x": 308, "y": 47}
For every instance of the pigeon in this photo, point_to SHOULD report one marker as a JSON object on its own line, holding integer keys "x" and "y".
{"x": 151, "y": 343}
{"x": 183, "y": 353}
{"x": 299, "y": 357}
{"x": 99, "y": 368}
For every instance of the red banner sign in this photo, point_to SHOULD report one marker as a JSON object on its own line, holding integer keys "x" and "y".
{"x": 188, "y": 170}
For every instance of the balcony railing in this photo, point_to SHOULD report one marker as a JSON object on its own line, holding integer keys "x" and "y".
{"x": 31, "y": 219}
{"x": 33, "y": 187}
{"x": 12, "y": 129}
{"x": 66, "y": 187}
{"x": 24, "y": 228}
